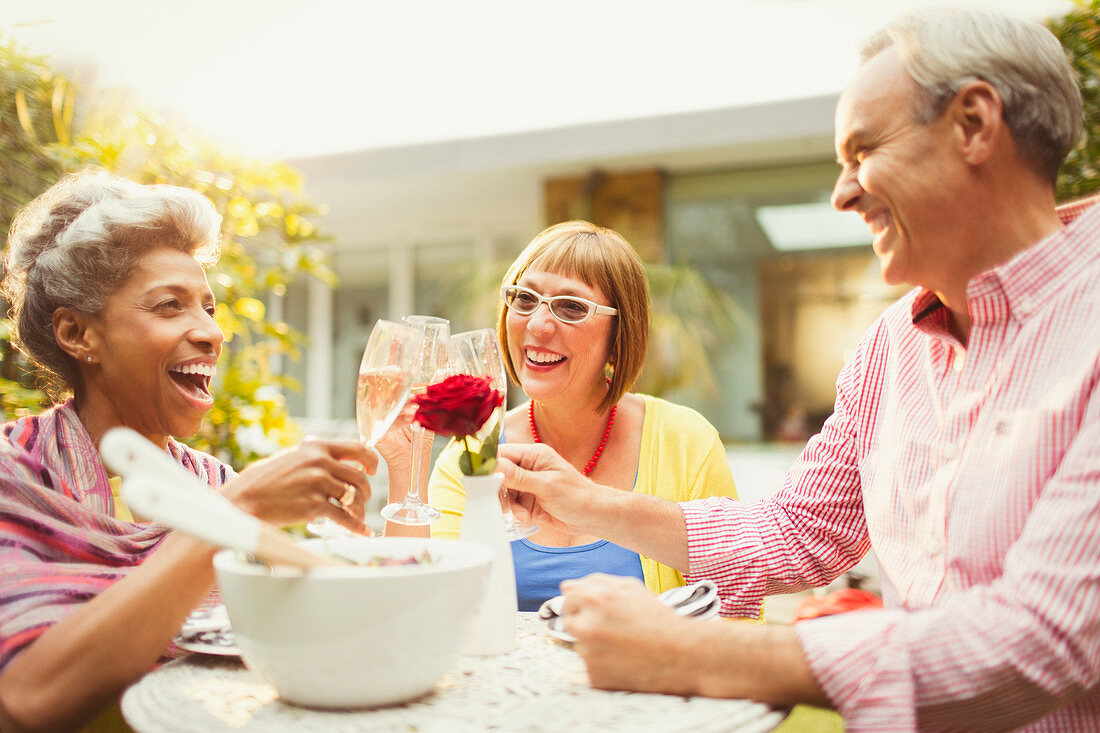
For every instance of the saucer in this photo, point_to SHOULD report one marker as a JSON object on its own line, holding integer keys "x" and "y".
{"x": 207, "y": 631}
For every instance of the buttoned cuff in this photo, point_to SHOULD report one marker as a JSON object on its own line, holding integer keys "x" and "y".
{"x": 863, "y": 667}
{"x": 719, "y": 552}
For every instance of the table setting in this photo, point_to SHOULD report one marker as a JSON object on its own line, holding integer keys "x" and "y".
{"x": 539, "y": 686}
{"x": 350, "y": 632}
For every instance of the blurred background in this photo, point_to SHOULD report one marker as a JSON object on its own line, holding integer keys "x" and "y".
{"x": 378, "y": 159}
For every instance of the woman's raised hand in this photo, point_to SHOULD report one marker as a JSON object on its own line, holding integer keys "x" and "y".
{"x": 395, "y": 446}
{"x": 319, "y": 478}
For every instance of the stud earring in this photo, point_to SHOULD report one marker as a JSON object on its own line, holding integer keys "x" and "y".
{"x": 89, "y": 360}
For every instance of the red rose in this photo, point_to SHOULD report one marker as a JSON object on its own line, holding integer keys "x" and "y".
{"x": 459, "y": 405}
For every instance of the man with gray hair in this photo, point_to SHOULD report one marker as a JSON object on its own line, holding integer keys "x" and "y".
{"x": 964, "y": 447}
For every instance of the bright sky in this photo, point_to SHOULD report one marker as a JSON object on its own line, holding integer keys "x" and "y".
{"x": 289, "y": 78}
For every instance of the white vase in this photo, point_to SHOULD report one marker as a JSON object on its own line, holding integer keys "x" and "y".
{"x": 494, "y": 629}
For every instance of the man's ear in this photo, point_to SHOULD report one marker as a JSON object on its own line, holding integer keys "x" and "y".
{"x": 75, "y": 334}
{"x": 976, "y": 112}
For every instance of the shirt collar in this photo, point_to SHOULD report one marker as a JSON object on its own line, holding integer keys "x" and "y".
{"x": 1029, "y": 278}
{"x": 925, "y": 305}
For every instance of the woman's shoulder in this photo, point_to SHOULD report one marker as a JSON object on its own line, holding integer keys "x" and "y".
{"x": 208, "y": 468}
{"x": 27, "y": 430}
{"x": 674, "y": 417}
{"x": 21, "y": 430}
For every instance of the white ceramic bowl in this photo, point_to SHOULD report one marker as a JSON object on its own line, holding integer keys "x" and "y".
{"x": 356, "y": 636}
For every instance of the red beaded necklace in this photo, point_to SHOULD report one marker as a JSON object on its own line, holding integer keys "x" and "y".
{"x": 588, "y": 469}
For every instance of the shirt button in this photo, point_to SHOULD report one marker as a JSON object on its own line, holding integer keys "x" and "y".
{"x": 933, "y": 546}
{"x": 950, "y": 450}
{"x": 1025, "y": 307}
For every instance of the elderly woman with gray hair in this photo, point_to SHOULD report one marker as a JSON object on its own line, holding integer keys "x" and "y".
{"x": 110, "y": 302}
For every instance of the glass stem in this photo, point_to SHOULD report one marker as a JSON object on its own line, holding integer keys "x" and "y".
{"x": 415, "y": 473}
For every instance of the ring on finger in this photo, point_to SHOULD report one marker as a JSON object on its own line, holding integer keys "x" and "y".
{"x": 348, "y": 496}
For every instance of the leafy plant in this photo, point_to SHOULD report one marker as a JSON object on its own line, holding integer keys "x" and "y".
{"x": 1079, "y": 32}
{"x": 691, "y": 317}
{"x": 49, "y": 125}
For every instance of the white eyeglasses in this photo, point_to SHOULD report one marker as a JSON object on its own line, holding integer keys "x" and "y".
{"x": 566, "y": 308}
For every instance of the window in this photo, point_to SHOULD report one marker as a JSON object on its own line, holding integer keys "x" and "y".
{"x": 805, "y": 277}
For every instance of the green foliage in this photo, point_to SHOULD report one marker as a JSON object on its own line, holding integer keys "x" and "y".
{"x": 1079, "y": 32}
{"x": 691, "y": 318}
{"x": 49, "y": 125}
{"x": 481, "y": 462}
{"x": 26, "y": 169}
{"x": 26, "y": 86}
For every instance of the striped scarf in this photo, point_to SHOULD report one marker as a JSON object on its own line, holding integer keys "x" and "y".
{"x": 60, "y": 544}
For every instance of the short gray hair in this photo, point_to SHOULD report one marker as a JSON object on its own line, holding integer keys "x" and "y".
{"x": 945, "y": 49}
{"x": 75, "y": 245}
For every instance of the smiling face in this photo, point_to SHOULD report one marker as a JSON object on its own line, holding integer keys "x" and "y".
{"x": 556, "y": 360}
{"x": 153, "y": 350}
{"x": 897, "y": 174}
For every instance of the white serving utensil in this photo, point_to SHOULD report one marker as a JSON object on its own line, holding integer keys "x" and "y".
{"x": 158, "y": 488}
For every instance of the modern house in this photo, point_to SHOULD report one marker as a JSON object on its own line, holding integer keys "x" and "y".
{"x": 741, "y": 194}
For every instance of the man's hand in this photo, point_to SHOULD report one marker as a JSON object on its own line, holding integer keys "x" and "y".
{"x": 547, "y": 490}
{"x": 628, "y": 639}
{"x": 319, "y": 478}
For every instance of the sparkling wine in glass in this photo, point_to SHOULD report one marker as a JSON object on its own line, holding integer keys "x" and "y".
{"x": 380, "y": 393}
{"x": 382, "y": 389}
{"x": 477, "y": 353}
{"x": 429, "y": 366}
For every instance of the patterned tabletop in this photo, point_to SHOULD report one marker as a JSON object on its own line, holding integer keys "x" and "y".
{"x": 540, "y": 686}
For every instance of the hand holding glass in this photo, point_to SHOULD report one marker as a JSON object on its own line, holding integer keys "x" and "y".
{"x": 430, "y": 366}
{"x": 382, "y": 388}
{"x": 385, "y": 376}
{"x": 477, "y": 353}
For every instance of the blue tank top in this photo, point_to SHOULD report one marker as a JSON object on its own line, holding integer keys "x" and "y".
{"x": 540, "y": 569}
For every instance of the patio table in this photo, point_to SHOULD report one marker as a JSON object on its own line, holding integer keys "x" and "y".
{"x": 540, "y": 686}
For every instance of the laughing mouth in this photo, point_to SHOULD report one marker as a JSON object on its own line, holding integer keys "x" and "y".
{"x": 194, "y": 379}
{"x": 542, "y": 357}
{"x": 879, "y": 222}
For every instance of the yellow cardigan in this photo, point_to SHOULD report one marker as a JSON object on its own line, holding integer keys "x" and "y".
{"x": 681, "y": 459}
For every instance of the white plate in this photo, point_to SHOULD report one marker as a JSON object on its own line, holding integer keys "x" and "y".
{"x": 207, "y": 631}
{"x": 559, "y": 635}
{"x": 699, "y": 600}
{"x": 549, "y": 614}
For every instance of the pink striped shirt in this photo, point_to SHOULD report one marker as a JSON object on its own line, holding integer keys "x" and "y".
{"x": 974, "y": 472}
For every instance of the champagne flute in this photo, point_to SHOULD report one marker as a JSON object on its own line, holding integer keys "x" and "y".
{"x": 385, "y": 376}
{"x": 381, "y": 390}
{"x": 478, "y": 353}
{"x": 430, "y": 365}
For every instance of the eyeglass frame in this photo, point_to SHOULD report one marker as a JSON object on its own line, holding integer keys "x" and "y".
{"x": 593, "y": 308}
